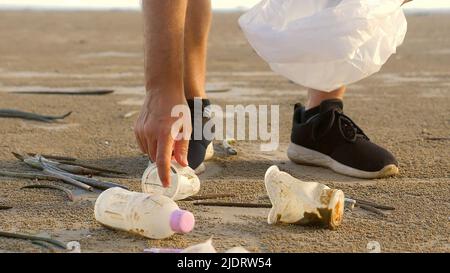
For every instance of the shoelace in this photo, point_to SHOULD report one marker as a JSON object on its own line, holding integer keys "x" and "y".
{"x": 347, "y": 127}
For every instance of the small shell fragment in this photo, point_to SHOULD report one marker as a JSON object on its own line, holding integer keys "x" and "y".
{"x": 373, "y": 247}
{"x": 227, "y": 146}
{"x": 130, "y": 114}
{"x": 73, "y": 247}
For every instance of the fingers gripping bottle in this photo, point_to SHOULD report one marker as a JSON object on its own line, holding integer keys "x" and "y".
{"x": 152, "y": 216}
{"x": 184, "y": 182}
{"x": 297, "y": 202}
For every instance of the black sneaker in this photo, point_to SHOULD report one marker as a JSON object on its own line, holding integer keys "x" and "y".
{"x": 324, "y": 136}
{"x": 199, "y": 150}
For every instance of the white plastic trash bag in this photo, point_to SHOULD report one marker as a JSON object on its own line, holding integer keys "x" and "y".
{"x": 324, "y": 44}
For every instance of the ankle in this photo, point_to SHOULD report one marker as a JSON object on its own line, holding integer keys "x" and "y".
{"x": 315, "y": 97}
{"x": 195, "y": 95}
{"x": 192, "y": 92}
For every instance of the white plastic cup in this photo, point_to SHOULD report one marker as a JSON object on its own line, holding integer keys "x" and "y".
{"x": 184, "y": 182}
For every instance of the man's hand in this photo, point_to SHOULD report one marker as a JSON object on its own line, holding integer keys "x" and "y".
{"x": 156, "y": 128}
{"x": 160, "y": 135}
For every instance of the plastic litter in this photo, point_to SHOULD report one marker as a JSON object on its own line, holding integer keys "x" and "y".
{"x": 205, "y": 247}
{"x": 237, "y": 249}
{"x": 325, "y": 44}
{"x": 349, "y": 203}
{"x": 184, "y": 182}
{"x": 152, "y": 216}
{"x": 162, "y": 250}
{"x": 297, "y": 202}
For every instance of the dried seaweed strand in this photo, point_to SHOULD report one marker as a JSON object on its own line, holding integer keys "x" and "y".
{"x": 54, "y": 157}
{"x": 370, "y": 208}
{"x": 92, "y": 167}
{"x": 40, "y": 186}
{"x": 63, "y": 92}
{"x": 32, "y": 238}
{"x": 207, "y": 196}
{"x": 28, "y": 175}
{"x": 232, "y": 204}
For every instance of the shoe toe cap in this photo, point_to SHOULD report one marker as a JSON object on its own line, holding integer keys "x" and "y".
{"x": 364, "y": 155}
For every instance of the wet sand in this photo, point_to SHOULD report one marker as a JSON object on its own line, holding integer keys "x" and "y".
{"x": 405, "y": 107}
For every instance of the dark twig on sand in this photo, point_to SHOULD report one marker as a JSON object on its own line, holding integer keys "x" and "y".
{"x": 207, "y": 196}
{"x": 33, "y": 238}
{"x": 12, "y": 113}
{"x": 65, "y": 92}
{"x": 373, "y": 204}
{"x": 103, "y": 185}
{"x": 370, "y": 208}
{"x": 55, "y": 157}
{"x": 76, "y": 169}
{"x": 231, "y": 204}
{"x": 28, "y": 175}
{"x": 92, "y": 167}
{"x": 3, "y": 207}
{"x": 52, "y": 169}
{"x": 39, "y": 186}
{"x": 44, "y": 245}
{"x": 74, "y": 162}
{"x": 437, "y": 138}
{"x": 68, "y": 180}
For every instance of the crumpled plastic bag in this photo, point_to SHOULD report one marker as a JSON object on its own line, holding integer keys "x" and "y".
{"x": 325, "y": 44}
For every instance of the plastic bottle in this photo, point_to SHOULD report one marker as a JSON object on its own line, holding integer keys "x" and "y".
{"x": 152, "y": 216}
{"x": 298, "y": 202}
{"x": 184, "y": 182}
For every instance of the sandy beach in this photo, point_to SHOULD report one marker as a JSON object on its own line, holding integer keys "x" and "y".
{"x": 405, "y": 108}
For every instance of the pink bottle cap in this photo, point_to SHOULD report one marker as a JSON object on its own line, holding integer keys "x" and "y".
{"x": 182, "y": 221}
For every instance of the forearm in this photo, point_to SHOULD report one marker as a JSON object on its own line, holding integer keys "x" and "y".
{"x": 164, "y": 38}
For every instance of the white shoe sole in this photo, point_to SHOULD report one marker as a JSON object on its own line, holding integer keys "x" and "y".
{"x": 305, "y": 156}
{"x": 208, "y": 155}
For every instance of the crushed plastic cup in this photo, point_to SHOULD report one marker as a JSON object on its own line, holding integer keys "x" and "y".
{"x": 237, "y": 249}
{"x": 205, "y": 247}
{"x": 184, "y": 182}
{"x": 304, "y": 203}
{"x": 162, "y": 250}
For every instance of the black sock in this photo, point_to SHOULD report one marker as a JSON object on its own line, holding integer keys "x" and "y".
{"x": 197, "y": 148}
